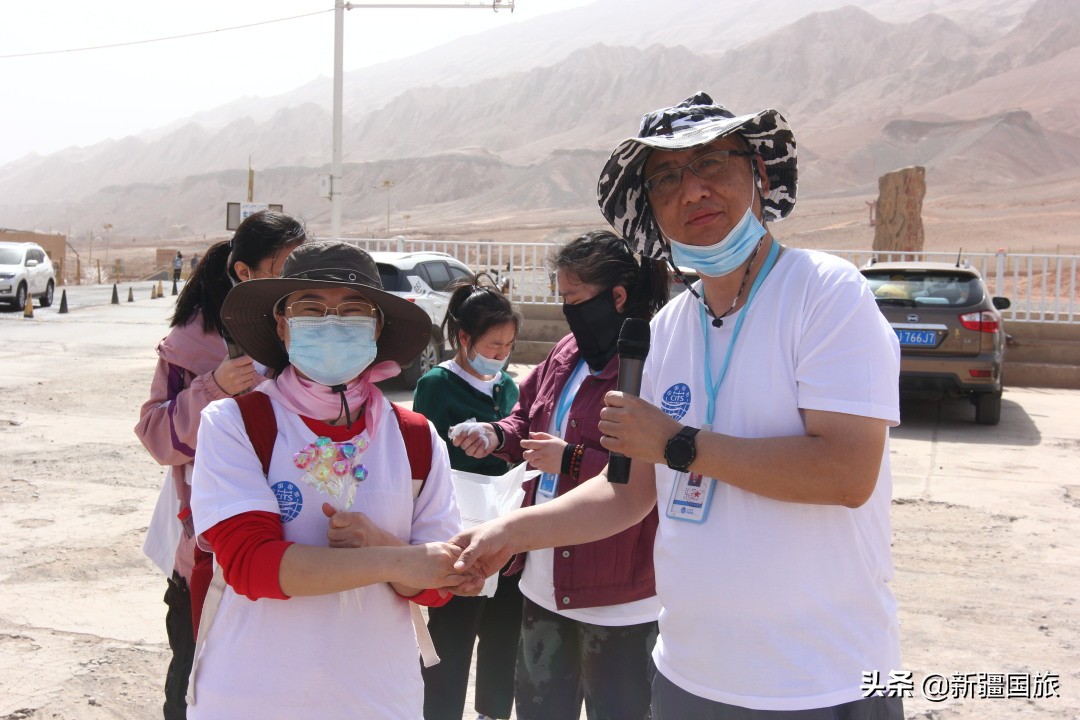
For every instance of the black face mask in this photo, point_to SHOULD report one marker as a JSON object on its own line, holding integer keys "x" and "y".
{"x": 595, "y": 324}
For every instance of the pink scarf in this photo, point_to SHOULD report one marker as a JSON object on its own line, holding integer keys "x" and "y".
{"x": 316, "y": 401}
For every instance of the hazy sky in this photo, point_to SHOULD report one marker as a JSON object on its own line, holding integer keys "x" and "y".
{"x": 50, "y": 102}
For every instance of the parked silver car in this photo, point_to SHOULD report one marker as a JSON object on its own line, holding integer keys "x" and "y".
{"x": 26, "y": 272}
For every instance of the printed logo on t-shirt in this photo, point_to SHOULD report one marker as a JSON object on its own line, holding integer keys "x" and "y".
{"x": 676, "y": 400}
{"x": 289, "y": 499}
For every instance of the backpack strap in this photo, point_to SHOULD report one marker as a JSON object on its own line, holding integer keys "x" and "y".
{"x": 260, "y": 423}
{"x": 417, "y": 436}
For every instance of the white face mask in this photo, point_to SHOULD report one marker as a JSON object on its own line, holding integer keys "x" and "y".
{"x": 332, "y": 350}
{"x": 484, "y": 365}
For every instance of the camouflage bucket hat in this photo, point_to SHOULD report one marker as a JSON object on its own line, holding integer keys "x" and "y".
{"x": 695, "y": 121}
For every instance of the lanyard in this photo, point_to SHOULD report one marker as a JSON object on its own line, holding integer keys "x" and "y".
{"x": 565, "y": 399}
{"x": 714, "y": 388}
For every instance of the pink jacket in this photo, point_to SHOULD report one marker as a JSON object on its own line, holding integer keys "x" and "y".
{"x": 169, "y": 421}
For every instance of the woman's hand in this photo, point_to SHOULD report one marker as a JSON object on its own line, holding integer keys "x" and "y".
{"x": 544, "y": 452}
{"x": 235, "y": 375}
{"x": 355, "y": 529}
{"x": 478, "y": 444}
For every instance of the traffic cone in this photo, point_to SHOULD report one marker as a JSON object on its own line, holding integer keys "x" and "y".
{"x": 115, "y": 295}
{"x": 28, "y": 308}
{"x": 63, "y": 303}
{"x": 174, "y": 288}
{"x": 160, "y": 289}
{"x": 153, "y": 292}
{"x": 131, "y": 294}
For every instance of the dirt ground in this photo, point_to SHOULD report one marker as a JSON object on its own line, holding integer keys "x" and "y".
{"x": 986, "y": 545}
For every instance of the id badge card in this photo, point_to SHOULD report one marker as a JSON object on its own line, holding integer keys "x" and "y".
{"x": 547, "y": 488}
{"x": 690, "y": 497}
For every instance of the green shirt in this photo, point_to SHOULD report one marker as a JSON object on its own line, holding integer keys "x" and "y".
{"x": 447, "y": 399}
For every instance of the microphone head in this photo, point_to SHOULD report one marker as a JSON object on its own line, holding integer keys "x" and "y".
{"x": 634, "y": 339}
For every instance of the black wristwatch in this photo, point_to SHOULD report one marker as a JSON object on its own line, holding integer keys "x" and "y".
{"x": 680, "y": 451}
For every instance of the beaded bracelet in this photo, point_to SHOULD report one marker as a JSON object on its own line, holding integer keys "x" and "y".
{"x": 575, "y": 461}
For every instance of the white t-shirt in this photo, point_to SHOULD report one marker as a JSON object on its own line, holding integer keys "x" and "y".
{"x": 321, "y": 656}
{"x": 776, "y": 605}
{"x": 538, "y": 577}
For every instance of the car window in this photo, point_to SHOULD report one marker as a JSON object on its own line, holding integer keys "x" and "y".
{"x": 393, "y": 280}
{"x": 38, "y": 255}
{"x": 459, "y": 274}
{"x": 920, "y": 288}
{"x": 438, "y": 275}
{"x": 10, "y": 256}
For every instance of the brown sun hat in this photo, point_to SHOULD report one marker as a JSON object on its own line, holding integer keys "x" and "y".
{"x": 248, "y": 310}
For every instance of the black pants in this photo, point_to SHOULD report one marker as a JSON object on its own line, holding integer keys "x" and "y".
{"x": 455, "y": 627}
{"x": 671, "y": 702}
{"x": 563, "y": 662}
{"x": 182, "y": 642}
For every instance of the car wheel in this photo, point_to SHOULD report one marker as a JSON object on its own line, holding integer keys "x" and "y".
{"x": 988, "y": 408}
{"x": 427, "y": 359}
{"x": 19, "y": 303}
{"x": 47, "y": 298}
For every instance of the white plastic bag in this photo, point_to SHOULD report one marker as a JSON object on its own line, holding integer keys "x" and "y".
{"x": 485, "y": 497}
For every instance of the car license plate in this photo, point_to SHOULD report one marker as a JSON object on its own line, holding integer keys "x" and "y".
{"x": 917, "y": 338}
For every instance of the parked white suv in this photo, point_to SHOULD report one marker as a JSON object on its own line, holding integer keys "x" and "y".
{"x": 423, "y": 278}
{"x": 26, "y": 272}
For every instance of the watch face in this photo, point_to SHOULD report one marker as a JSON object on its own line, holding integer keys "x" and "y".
{"x": 679, "y": 452}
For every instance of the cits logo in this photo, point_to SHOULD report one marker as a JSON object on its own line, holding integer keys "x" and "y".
{"x": 676, "y": 400}
{"x": 289, "y": 499}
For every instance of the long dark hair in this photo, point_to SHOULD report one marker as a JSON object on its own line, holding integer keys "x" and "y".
{"x": 475, "y": 307}
{"x": 260, "y": 236}
{"x": 602, "y": 258}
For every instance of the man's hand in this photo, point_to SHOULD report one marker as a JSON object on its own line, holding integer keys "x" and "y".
{"x": 355, "y": 529}
{"x": 235, "y": 375}
{"x": 635, "y": 428}
{"x": 544, "y": 452}
{"x": 478, "y": 444}
{"x": 485, "y": 549}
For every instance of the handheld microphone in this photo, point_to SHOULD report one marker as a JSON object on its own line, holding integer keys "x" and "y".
{"x": 633, "y": 347}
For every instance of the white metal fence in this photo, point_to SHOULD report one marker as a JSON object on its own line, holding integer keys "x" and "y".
{"x": 1041, "y": 288}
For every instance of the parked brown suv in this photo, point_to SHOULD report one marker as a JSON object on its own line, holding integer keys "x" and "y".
{"x": 952, "y": 340}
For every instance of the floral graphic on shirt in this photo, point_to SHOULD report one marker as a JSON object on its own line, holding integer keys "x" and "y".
{"x": 334, "y": 468}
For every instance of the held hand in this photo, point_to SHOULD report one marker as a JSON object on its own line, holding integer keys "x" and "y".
{"x": 429, "y": 566}
{"x": 474, "y": 443}
{"x": 635, "y": 428}
{"x": 544, "y": 452}
{"x": 235, "y": 375}
{"x": 355, "y": 529}
{"x": 485, "y": 549}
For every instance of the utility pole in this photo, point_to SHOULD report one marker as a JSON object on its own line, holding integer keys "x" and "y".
{"x": 336, "y": 181}
{"x": 251, "y": 181}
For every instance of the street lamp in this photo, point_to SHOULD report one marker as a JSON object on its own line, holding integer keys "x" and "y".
{"x": 387, "y": 184}
{"x": 340, "y": 7}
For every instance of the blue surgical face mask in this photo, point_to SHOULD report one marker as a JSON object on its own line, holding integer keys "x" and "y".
{"x": 727, "y": 255}
{"x": 484, "y": 365}
{"x": 332, "y": 350}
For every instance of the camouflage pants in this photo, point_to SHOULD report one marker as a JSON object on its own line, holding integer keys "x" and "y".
{"x": 563, "y": 662}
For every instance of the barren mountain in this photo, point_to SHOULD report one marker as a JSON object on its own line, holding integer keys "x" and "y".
{"x": 978, "y": 92}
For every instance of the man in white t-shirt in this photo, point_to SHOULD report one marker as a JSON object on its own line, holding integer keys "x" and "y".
{"x": 761, "y": 434}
